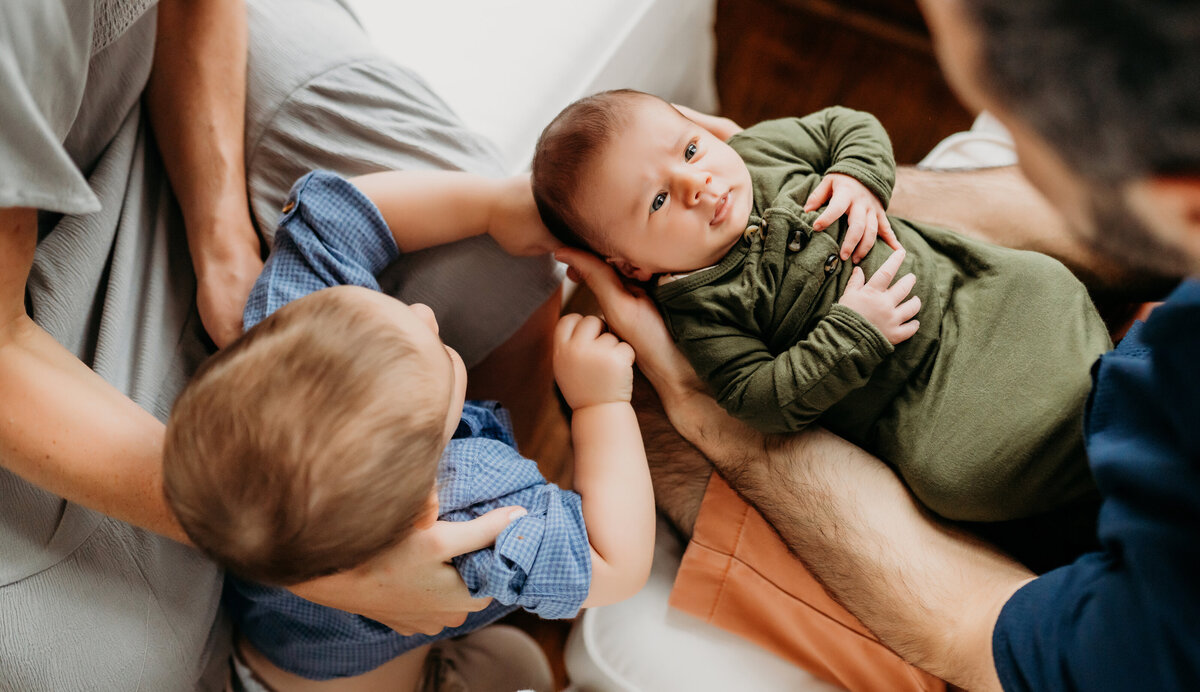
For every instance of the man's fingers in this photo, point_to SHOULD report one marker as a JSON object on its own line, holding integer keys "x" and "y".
{"x": 909, "y": 308}
{"x": 884, "y": 275}
{"x": 900, "y": 290}
{"x": 819, "y": 195}
{"x": 596, "y": 273}
{"x": 459, "y": 537}
{"x": 833, "y": 212}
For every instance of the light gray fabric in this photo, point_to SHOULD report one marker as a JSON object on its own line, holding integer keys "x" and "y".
{"x": 322, "y": 98}
{"x": 87, "y": 602}
{"x": 34, "y": 169}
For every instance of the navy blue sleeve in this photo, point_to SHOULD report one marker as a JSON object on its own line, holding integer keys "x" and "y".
{"x": 1126, "y": 617}
{"x": 331, "y": 234}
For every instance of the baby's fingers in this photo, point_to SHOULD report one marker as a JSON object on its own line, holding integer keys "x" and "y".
{"x": 904, "y": 332}
{"x": 855, "y": 227}
{"x": 833, "y": 212}
{"x": 909, "y": 308}
{"x": 588, "y": 328}
{"x": 820, "y": 195}
{"x": 565, "y": 327}
{"x": 868, "y": 239}
{"x": 856, "y": 281}
{"x": 626, "y": 353}
{"x": 882, "y": 278}
{"x": 902, "y": 288}
{"x": 886, "y": 232}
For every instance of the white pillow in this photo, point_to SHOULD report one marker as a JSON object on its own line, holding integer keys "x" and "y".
{"x": 642, "y": 645}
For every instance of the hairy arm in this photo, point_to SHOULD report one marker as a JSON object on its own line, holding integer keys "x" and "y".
{"x": 196, "y": 100}
{"x": 928, "y": 591}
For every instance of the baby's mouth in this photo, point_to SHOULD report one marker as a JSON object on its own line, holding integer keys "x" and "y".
{"x": 721, "y": 211}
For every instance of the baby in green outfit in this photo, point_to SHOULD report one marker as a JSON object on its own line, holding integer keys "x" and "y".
{"x": 968, "y": 374}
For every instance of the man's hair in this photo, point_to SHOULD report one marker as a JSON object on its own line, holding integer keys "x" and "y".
{"x": 1112, "y": 85}
{"x": 565, "y": 150}
{"x": 308, "y": 445}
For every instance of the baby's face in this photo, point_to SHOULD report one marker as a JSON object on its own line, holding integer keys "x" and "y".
{"x": 666, "y": 195}
{"x": 439, "y": 360}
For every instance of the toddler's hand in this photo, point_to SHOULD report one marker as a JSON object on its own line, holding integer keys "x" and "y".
{"x": 883, "y": 304}
{"x": 591, "y": 366}
{"x": 865, "y": 215}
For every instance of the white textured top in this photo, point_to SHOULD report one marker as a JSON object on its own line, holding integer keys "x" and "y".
{"x": 113, "y": 17}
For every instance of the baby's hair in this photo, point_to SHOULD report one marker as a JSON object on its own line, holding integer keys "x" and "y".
{"x": 567, "y": 146}
{"x": 307, "y": 446}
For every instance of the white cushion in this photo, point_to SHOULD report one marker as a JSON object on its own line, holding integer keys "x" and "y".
{"x": 642, "y": 645}
{"x": 508, "y": 66}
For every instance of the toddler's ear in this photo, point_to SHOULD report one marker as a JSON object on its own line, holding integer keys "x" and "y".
{"x": 628, "y": 270}
{"x": 429, "y": 515}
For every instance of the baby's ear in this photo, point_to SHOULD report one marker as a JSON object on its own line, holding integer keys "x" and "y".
{"x": 628, "y": 270}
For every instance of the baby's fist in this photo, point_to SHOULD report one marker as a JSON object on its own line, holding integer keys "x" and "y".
{"x": 591, "y": 365}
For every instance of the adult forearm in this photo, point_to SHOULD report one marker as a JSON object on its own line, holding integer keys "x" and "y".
{"x": 196, "y": 100}
{"x": 1000, "y": 206}
{"x": 64, "y": 429}
{"x": 930, "y": 592}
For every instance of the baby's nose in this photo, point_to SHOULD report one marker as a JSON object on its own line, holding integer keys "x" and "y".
{"x": 697, "y": 182}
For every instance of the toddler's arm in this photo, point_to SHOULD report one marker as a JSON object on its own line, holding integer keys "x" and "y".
{"x": 428, "y": 208}
{"x": 595, "y": 373}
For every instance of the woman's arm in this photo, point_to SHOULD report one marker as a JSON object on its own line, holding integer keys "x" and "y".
{"x": 62, "y": 427}
{"x": 196, "y": 99}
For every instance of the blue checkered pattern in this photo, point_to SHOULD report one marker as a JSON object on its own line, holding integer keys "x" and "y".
{"x": 332, "y": 235}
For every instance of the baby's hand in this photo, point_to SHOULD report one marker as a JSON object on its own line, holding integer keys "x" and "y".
{"x": 865, "y": 215}
{"x": 591, "y": 365}
{"x": 883, "y": 304}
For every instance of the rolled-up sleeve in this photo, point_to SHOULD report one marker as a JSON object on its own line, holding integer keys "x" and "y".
{"x": 542, "y": 561}
{"x": 330, "y": 234}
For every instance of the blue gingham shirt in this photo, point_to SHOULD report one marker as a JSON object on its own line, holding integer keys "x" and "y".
{"x": 330, "y": 235}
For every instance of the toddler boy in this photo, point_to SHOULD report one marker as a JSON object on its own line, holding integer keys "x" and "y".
{"x": 338, "y": 425}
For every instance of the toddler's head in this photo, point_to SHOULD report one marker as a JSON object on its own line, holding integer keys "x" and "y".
{"x": 311, "y": 443}
{"x": 625, "y": 175}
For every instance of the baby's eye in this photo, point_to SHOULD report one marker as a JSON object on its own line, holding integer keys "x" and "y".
{"x": 689, "y": 152}
{"x": 659, "y": 200}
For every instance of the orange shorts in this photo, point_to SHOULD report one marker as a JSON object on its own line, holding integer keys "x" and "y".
{"x": 737, "y": 574}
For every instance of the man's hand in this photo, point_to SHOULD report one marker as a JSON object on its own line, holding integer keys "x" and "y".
{"x": 633, "y": 317}
{"x": 591, "y": 365}
{"x": 865, "y": 215}
{"x": 721, "y": 128}
{"x": 882, "y": 303}
{"x": 515, "y": 223}
{"x": 413, "y": 588}
{"x": 224, "y": 277}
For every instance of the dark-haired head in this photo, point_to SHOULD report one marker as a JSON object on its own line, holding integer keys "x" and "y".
{"x": 564, "y": 152}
